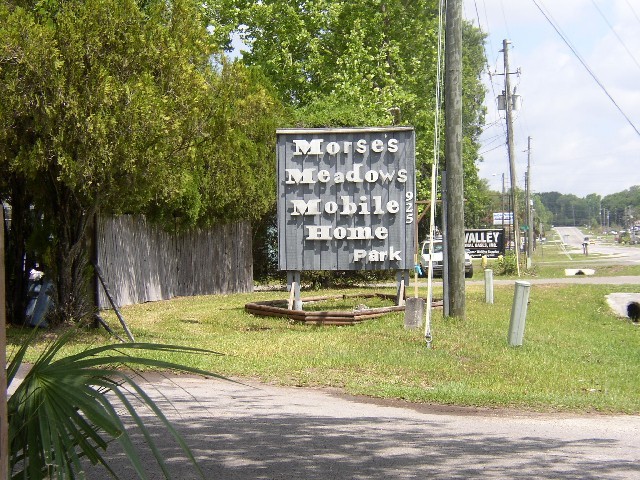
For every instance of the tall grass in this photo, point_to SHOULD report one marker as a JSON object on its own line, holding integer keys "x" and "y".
{"x": 576, "y": 354}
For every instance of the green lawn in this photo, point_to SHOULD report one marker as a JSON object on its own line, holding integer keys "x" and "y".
{"x": 577, "y": 356}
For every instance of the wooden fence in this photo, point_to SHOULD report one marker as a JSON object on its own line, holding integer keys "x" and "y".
{"x": 141, "y": 262}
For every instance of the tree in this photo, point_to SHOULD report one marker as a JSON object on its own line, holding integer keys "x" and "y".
{"x": 593, "y": 205}
{"x": 491, "y": 202}
{"x": 618, "y": 204}
{"x": 366, "y": 63}
{"x": 590, "y": 210}
{"x": 543, "y": 218}
{"x": 122, "y": 106}
{"x": 473, "y": 115}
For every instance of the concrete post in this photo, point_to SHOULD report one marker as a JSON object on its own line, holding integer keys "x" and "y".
{"x": 293, "y": 286}
{"x": 402, "y": 281}
{"x": 519, "y": 313}
{"x": 488, "y": 285}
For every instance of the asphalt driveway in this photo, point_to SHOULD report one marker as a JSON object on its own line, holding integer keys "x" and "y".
{"x": 256, "y": 431}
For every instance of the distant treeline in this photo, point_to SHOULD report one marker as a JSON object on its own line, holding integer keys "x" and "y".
{"x": 618, "y": 209}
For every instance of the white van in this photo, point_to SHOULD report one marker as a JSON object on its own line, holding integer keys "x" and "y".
{"x": 438, "y": 266}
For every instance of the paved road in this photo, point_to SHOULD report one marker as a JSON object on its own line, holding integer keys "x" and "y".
{"x": 242, "y": 431}
{"x": 255, "y": 431}
{"x": 573, "y": 237}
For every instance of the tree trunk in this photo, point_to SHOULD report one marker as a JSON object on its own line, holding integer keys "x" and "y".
{"x": 17, "y": 260}
{"x": 73, "y": 274}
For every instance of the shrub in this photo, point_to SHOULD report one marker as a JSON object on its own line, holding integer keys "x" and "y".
{"x": 507, "y": 264}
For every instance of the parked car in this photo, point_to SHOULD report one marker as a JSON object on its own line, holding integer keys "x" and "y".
{"x": 438, "y": 266}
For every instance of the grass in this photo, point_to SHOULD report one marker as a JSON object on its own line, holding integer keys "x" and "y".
{"x": 556, "y": 268}
{"x": 577, "y": 356}
{"x": 550, "y": 260}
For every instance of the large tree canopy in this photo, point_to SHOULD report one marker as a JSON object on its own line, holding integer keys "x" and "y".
{"x": 123, "y": 106}
{"x": 366, "y": 63}
{"x": 129, "y": 106}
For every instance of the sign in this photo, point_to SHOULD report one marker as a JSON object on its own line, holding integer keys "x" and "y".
{"x": 489, "y": 243}
{"x": 503, "y": 218}
{"x": 346, "y": 198}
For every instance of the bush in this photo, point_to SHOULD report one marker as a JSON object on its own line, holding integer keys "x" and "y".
{"x": 344, "y": 279}
{"x": 507, "y": 264}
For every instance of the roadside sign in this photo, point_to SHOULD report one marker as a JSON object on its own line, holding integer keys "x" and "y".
{"x": 502, "y": 218}
{"x": 346, "y": 198}
{"x": 485, "y": 242}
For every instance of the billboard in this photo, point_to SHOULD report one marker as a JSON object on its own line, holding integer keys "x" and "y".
{"x": 346, "y": 198}
{"x": 503, "y": 218}
{"x": 489, "y": 243}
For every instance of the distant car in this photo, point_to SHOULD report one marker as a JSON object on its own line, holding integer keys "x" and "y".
{"x": 438, "y": 264}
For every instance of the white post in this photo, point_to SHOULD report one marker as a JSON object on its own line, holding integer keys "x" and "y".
{"x": 519, "y": 313}
{"x": 488, "y": 285}
{"x": 293, "y": 285}
{"x": 402, "y": 279}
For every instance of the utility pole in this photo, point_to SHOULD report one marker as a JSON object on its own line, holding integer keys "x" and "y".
{"x": 453, "y": 155}
{"x": 529, "y": 208}
{"x": 502, "y": 206}
{"x": 511, "y": 153}
{"x": 4, "y": 425}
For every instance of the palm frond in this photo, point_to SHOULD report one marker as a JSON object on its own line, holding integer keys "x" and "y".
{"x": 62, "y": 415}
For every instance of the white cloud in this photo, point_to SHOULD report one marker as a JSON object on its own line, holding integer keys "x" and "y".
{"x": 581, "y": 143}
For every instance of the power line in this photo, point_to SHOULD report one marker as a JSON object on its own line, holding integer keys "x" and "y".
{"x": 494, "y": 138}
{"x": 486, "y": 59}
{"x": 475, "y": 4}
{"x": 492, "y": 85}
{"x": 499, "y": 121}
{"x": 584, "y": 64}
{"x": 624, "y": 45}
{"x": 504, "y": 16}
{"x": 633, "y": 11}
{"x": 492, "y": 149}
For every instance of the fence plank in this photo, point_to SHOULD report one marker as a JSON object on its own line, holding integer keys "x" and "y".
{"x": 141, "y": 262}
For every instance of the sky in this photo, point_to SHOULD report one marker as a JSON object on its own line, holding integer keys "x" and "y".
{"x": 581, "y": 143}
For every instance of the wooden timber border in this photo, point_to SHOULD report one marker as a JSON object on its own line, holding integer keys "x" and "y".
{"x": 278, "y": 308}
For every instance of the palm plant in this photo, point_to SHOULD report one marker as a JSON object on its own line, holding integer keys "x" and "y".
{"x": 63, "y": 413}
